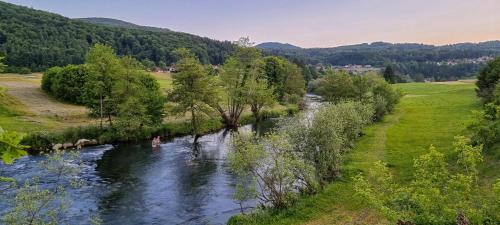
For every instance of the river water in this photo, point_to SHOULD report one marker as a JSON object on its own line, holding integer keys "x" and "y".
{"x": 180, "y": 183}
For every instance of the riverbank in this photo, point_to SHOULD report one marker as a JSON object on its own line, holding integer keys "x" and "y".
{"x": 44, "y": 140}
{"x": 26, "y": 108}
{"x": 430, "y": 113}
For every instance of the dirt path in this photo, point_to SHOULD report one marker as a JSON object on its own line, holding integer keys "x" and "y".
{"x": 28, "y": 92}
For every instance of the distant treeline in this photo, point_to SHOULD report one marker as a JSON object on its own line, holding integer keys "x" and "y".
{"x": 36, "y": 40}
{"x": 412, "y": 59}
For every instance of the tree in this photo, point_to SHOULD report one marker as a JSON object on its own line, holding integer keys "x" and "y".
{"x": 148, "y": 64}
{"x": 138, "y": 97}
{"x": 244, "y": 64}
{"x": 271, "y": 164}
{"x": 66, "y": 83}
{"x": 104, "y": 68}
{"x": 439, "y": 194}
{"x": 389, "y": 74}
{"x": 10, "y": 147}
{"x": 192, "y": 89}
{"x": 294, "y": 86}
{"x": 487, "y": 80}
{"x": 285, "y": 77}
{"x": 323, "y": 139}
{"x": 336, "y": 86}
{"x": 2, "y": 65}
{"x": 260, "y": 96}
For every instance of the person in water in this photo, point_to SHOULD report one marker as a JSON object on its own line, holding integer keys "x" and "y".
{"x": 156, "y": 141}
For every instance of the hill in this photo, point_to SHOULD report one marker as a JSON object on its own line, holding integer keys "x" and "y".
{"x": 120, "y": 23}
{"x": 37, "y": 40}
{"x": 445, "y": 62}
{"x": 276, "y": 45}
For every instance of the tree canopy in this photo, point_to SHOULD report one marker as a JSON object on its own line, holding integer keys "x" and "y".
{"x": 39, "y": 40}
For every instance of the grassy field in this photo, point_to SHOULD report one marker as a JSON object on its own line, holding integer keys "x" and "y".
{"x": 430, "y": 113}
{"x": 25, "y": 107}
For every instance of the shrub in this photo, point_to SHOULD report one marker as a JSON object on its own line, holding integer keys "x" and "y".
{"x": 280, "y": 172}
{"x": 370, "y": 88}
{"x": 41, "y": 141}
{"x": 323, "y": 138}
{"x": 66, "y": 83}
{"x": 439, "y": 192}
{"x": 487, "y": 79}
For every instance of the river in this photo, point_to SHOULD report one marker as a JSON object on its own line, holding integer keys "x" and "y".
{"x": 179, "y": 183}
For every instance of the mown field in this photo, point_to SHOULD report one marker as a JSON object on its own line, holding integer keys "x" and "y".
{"x": 429, "y": 114}
{"x": 25, "y": 107}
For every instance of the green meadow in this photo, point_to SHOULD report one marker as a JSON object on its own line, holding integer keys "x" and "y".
{"x": 428, "y": 114}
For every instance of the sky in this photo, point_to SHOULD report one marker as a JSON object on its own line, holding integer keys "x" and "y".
{"x": 311, "y": 23}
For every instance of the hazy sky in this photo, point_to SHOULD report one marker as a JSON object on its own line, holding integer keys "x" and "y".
{"x": 312, "y": 23}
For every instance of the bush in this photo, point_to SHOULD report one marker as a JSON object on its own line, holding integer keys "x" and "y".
{"x": 281, "y": 174}
{"x": 439, "y": 192}
{"x": 66, "y": 83}
{"x": 370, "y": 88}
{"x": 325, "y": 137}
{"x": 487, "y": 79}
{"x": 41, "y": 141}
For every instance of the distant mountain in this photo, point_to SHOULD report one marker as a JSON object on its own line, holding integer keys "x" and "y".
{"x": 120, "y": 23}
{"x": 38, "y": 40}
{"x": 276, "y": 45}
{"x": 381, "y": 53}
{"x": 445, "y": 62}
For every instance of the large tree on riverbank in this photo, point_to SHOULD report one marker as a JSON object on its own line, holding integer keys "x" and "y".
{"x": 243, "y": 65}
{"x": 193, "y": 88}
{"x": 118, "y": 87}
{"x": 104, "y": 68}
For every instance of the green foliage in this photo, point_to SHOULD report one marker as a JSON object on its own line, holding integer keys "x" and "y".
{"x": 10, "y": 146}
{"x": 439, "y": 192}
{"x": 260, "y": 96}
{"x": 118, "y": 87}
{"x": 2, "y": 65}
{"x": 243, "y": 65}
{"x": 66, "y": 83}
{"x": 285, "y": 77}
{"x": 485, "y": 129}
{"x": 369, "y": 88}
{"x": 193, "y": 89}
{"x": 148, "y": 64}
{"x": 33, "y": 204}
{"x": 487, "y": 80}
{"x": 389, "y": 75}
{"x": 38, "y": 40}
{"x": 271, "y": 162}
{"x": 104, "y": 68}
{"x": 324, "y": 139}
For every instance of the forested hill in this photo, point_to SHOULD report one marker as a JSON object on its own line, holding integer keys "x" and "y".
{"x": 379, "y": 53}
{"x": 37, "y": 40}
{"x": 446, "y": 62}
{"x": 276, "y": 45}
{"x": 120, "y": 23}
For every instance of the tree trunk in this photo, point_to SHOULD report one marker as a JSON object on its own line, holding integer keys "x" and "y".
{"x": 101, "y": 110}
{"x": 109, "y": 119}
{"x": 193, "y": 124}
{"x": 256, "y": 113}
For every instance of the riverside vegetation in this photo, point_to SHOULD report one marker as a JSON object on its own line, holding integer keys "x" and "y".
{"x": 306, "y": 152}
{"x": 118, "y": 93}
{"x": 391, "y": 177}
{"x": 130, "y": 105}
